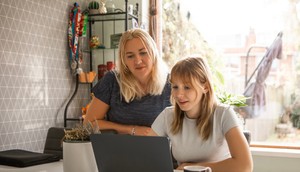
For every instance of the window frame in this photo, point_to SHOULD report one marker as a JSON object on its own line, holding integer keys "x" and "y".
{"x": 158, "y": 39}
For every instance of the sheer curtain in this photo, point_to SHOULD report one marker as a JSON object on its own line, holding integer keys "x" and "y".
{"x": 155, "y": 28}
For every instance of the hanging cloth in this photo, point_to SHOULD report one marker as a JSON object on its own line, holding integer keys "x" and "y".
{"x": 83, "y": 23}
{"x": 73, "y": 34}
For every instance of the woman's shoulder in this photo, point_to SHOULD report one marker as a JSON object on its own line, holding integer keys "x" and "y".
{"x": 107, "y": 82}
{"x": 110, "y": 76}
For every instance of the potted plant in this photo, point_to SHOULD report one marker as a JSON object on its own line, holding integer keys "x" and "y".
{"x": 94, "y": 7}
{"x": 78, "y": 154}
{"x": 233, "y": 100}
{"x": 237, "y": 101}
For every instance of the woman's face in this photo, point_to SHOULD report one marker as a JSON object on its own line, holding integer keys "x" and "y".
{"x": 187, "y": 97}
{"x": 137, "y": 59}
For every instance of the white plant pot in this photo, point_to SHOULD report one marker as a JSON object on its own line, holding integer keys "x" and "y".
{"x": 78, "y": 157}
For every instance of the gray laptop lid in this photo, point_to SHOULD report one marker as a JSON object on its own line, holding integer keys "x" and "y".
{"x": 126, "y": 153}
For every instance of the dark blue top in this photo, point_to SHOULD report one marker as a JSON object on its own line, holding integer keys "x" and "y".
{"x": 138, "y": 112}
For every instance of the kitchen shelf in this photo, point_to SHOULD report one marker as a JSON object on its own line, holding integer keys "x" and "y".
{"x": 106, "y": 24}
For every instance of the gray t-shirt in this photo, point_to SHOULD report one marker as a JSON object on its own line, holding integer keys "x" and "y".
{"x": 138, "y": 112}
{"x": 187, "y": 145}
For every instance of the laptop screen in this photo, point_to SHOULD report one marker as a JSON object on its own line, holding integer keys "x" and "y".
{"x": 126, "y": 153}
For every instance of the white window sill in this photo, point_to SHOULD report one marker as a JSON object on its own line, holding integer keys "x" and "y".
{"x": 275, "y": 152}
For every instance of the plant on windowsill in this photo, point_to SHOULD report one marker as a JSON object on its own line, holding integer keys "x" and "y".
{"x": 232, "y": 99}
{"x": 225, "y": 97}
{"x": 236, "y": 101}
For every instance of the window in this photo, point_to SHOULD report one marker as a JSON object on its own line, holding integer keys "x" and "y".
{"x": 224, "y": 32}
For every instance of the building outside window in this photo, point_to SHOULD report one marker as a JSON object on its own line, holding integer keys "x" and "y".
{"x": 224, "y": 31}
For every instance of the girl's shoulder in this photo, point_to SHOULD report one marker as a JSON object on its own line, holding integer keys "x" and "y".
{"x": 223, "y": 109}
{"x": 168, "y": 112}
{"x": 222, "y": 106}
{"x": 169, "y": 109}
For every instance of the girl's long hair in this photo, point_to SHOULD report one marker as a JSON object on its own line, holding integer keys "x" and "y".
{"x": 195, "y": 71}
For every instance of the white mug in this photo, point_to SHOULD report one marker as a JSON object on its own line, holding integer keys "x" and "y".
{"x": 196, "y": 169}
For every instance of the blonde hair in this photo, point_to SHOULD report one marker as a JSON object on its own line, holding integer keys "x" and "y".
{"x": 195, "y": 71}
{"x": 129, "y": 86}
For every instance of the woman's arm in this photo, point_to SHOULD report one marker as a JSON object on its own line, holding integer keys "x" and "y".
{"x": 151, "y": 133}
{"x": 241, "y": 159}
{"x": 96, "y": 113}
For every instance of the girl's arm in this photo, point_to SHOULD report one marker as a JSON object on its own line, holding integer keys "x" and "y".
{"x": 241, "y": 159}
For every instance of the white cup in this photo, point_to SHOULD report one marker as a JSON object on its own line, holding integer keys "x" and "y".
{"x": 196, "y": 169}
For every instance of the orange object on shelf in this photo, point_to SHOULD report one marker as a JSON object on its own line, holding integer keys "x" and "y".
{"x": 87, "y": 77}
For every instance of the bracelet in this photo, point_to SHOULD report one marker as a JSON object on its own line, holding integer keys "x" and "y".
{"x": 133, "y": 131}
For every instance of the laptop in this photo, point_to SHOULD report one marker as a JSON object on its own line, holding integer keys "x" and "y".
{"x": 126, "y": 153}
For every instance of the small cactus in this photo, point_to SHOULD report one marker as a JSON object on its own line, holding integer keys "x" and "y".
{"x": 94, "y": 5}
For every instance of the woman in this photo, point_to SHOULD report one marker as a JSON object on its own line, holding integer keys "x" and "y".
{"x": 129, "y": 99}
{"x": 201, "y": 130}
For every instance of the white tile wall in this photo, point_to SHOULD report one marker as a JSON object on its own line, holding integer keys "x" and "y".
{"x": 35, "y": 77}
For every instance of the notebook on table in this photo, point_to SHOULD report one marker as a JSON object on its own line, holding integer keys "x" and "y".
{"x": 24, "y": 158}
{"x": 126, "y": 153}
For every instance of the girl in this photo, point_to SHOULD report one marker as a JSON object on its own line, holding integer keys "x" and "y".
{"x": 201, "y": 131}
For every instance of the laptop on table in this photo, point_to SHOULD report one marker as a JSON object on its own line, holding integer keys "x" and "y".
{"x": 126, "y": 153}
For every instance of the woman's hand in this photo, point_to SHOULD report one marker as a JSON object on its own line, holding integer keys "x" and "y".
{"x": 140, "y": 131}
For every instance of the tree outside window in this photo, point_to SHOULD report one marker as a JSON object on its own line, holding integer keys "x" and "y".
{"x": 224, "y": 35}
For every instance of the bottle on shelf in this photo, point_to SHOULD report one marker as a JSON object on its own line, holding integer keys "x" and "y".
{"x": 110, "y": 65}
{"x": 102, "y": 69}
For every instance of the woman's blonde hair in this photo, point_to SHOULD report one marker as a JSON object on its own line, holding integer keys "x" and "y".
{"x": 129, "y": 86}
{"x": 194, "y": 71}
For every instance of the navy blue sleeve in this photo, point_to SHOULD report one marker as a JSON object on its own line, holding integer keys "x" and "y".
{"x": 103, "y": 89}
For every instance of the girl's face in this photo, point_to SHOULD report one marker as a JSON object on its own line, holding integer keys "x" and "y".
{"x": 187, "y": 97}
{"x": 137, "y": 59}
